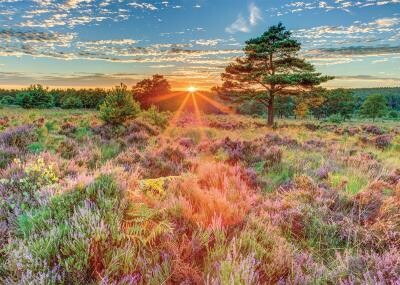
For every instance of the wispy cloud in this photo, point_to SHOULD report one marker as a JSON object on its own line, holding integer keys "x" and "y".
{"x": 244, "y": 25}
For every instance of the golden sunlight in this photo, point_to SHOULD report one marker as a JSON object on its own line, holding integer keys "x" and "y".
{"x": 192, "y": 89}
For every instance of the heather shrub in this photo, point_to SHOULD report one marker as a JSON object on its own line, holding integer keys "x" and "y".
{"x": 383, "y": 141}
{"x": 138, "y": 139}
{"x": 68, "y": 148}
{"x": 19, "y": 137}
{"x": 167, "y": 161}
{"x": 118, "y": 106}
{"x": 129, "y": 158}
{"x": 272, "y": 156}
{"x": 67, "y": 129}
{"x": 237, "y": 150}
{"x": 372, "y": 129}
{"x": 7, "y": 154}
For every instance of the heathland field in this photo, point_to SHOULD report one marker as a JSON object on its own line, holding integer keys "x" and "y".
{"x": 187, "y": 198}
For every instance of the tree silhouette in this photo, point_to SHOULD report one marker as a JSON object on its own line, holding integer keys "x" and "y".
{"x": 146, "y": 90}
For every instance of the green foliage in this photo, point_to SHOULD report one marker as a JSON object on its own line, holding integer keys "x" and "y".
{"x": 34, "y": 97}
{"x": 393, "y": 114}
{"x": 71, "y": 102}
{"x": 340, "y": 102}
{"x": 335, "y": 119}
{"x": 374, "y": 106}
{"x": 7, "y": 100}
{"x": 155, "y": 117}
{"x": 109, "y": 151}
{"x": 35, "y": 147}
{"x": 118, "y": 106}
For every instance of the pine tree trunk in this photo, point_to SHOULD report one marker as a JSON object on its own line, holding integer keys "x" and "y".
{"x": 271, "y": 111}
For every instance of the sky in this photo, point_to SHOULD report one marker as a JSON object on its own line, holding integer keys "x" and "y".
{"x": 100, "y": 43}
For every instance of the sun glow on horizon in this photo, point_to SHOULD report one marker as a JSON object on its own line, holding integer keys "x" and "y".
{"x": 192, "y": 89}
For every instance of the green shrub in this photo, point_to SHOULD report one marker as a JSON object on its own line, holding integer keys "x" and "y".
{"x": 71, "y": 102}
{"x": 393, "y": 114}
{"x": 118, "y": 106}
{"x": 155, "y": 117}
{"x": 335, "y": 119}
{"x": 35, "y": 147}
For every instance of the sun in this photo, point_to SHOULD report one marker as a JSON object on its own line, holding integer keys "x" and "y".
{"x": 192, "y": 89}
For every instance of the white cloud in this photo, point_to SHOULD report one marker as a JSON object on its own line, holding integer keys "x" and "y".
{"x": 255, "y": 15}
{"x": 244, "y": 25}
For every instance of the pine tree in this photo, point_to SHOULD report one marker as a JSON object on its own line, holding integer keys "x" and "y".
{"x": 271, "y": 67}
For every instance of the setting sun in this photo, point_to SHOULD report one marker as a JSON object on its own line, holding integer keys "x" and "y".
{"x": 192, "y": 89}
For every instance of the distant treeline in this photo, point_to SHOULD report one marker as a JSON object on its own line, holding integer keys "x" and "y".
{"x": 392, "y": 95}
{"x": 323, "y": 104}
{"x": 37, "y": 96}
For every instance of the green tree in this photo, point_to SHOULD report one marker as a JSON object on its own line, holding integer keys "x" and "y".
{"x": 271, "y": 64}
{"x": 118, "y": 106}
{"x": 146, "y": 90}
{"x": 336, "y": 102}
{"x": 374, "y": 106}
{"x": 35, "y": 97}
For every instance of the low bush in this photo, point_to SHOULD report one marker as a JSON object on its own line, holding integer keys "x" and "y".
{"x": 118, "y": 106}
{"x": 155, "y": 117}
{"x": 71, "y": 102}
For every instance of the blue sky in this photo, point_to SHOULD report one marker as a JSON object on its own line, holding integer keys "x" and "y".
{"x": 88, "y": 43}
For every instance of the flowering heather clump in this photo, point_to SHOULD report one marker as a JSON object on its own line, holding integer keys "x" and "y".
{"x": 129, "y": 158}
{"x": 108, "y": 131}
{"x": 272, "y": 156}
{"x": 7, "y": 154}
{"x": 168, "y": 161}
{"x": 322, "y": 173}
{"x": 383, "y": 141}
{"x": 371, "y": 129}
{"x": 68, "y": 148}
{"x": 237, "y": 150}
{"x": 312, "y": 144}
{"x": 273, "y": 139}
{"x": 19, "y": 137}
{"x": 67, "y": 129}
{"x": 225, "y": 124}
{"x": 138, "y": 139}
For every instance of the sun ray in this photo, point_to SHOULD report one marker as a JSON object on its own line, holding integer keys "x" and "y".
{"x": 216, "y": 104}
{"x": 198, "y": 116}
{"x": 177, "y": 114}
